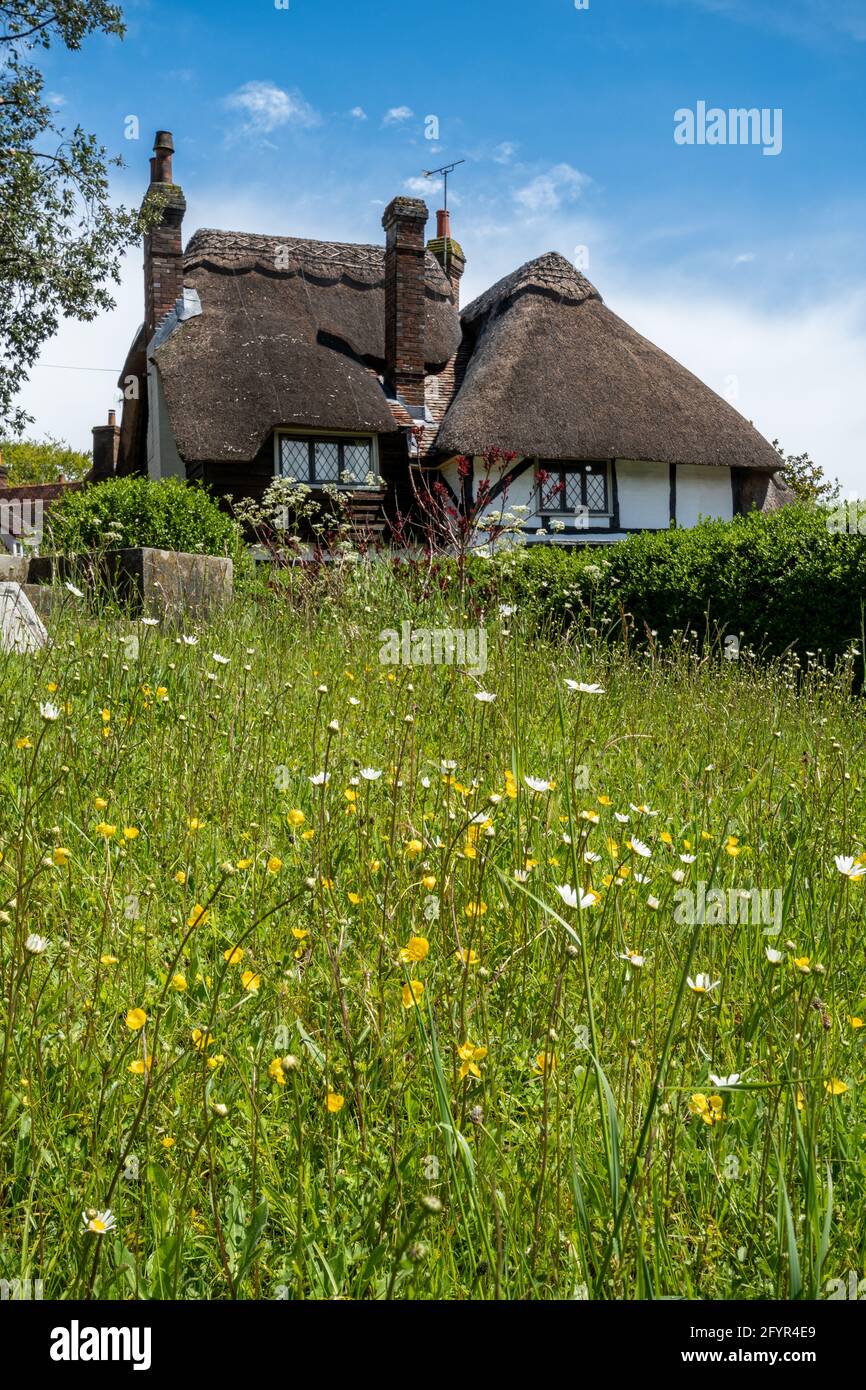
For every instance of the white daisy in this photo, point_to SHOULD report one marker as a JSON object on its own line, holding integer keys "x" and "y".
{"x": 370, "y": 774}
{"x": 847, "y": 865}
{"x": 721, "y": 1082}
{"x": 320, "y": 778}
{"x": 220, "y": 660}
{"x": 584, "y": 689}
{"x": 702, "y": 984}
{"x": 72, "y": 589}
{"x": 633, "y": 958}
{"x": 537, "y": 784}
{"x": 773, "y": 956}
{"x": 642, "y": 810}
{"x": 485, "y": 697}
{"x": 640, "y": 848}
{"x": 36, "y": 944}
{"x": 189, "y": 641}
{"x": 98, "y": 1222}
{"x": 623, "y": 819}
{"x": 571, "y": 899}
{"x": 49, "y": 712}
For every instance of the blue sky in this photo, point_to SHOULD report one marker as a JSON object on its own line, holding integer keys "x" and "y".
{"x": 747, "y": 267}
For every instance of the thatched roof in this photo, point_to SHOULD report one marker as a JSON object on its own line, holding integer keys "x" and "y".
{"x": 291, "y": 332}
{"x": 553, "y": 373}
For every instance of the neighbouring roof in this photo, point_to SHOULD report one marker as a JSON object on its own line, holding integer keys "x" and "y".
{"x": 552, "y": 372}
{"x": 290, "y": 332}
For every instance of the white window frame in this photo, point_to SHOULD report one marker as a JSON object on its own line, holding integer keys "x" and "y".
{"x": 329, "y": 437}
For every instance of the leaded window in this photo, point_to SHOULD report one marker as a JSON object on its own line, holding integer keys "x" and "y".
{"x": 321, "y": 462}
{"x": 573, "y": 488}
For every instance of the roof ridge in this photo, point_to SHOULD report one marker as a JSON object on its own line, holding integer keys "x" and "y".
{"x": 551, "y": 273}
{"x": 248, "y": 250}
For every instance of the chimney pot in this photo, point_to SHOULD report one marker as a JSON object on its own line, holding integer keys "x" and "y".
{"x": 163, "y": 150}
{"x": 448, "y": 252}
{"x": 106, "y": 449}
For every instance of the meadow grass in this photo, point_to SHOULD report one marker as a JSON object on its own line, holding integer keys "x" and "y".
{"x": 423, "y": 1028}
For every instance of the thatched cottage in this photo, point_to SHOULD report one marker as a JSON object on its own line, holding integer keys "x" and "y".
{"x": 335, "y": 363}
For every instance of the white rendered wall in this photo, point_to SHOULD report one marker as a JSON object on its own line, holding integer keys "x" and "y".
{"x": 644, "y": 495}
{"x": 163, "y": 460}
{"x": 703, "y": 491}
{"x": 643, "y": 490}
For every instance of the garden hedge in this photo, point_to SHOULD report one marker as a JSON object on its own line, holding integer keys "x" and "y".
{"x": 788, "y": 579}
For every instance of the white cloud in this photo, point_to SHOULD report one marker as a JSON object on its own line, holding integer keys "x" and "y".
{"x": 798, "y": 19}
{"x": 359, "y": 113}
{"x": 745, "y": 259}
{"x": 798, "y": 374}
{"x": 56, "y": 100}
{"x": 398, "y": 114}
{"x": 547, "y": 192}
{"x": 420, "y": 187}
{"x": 267, "y": 107}
{"x": 504, "y": 153}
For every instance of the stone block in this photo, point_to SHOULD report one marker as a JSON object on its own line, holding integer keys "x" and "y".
{"x": 21, "y": 629}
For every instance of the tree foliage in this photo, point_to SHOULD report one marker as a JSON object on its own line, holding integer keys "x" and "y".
{"x": 43, "y": 461}
{"x": 60, "y": 239}
{"x": 806, "y": 479}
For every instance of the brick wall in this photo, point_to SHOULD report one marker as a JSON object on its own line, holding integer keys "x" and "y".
{"x": 405, "y": 311}
{"x": 163, "y": 245}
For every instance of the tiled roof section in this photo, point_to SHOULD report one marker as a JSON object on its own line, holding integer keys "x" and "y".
{"x": 551, "y": 275}
{"x": 401, "y": 415}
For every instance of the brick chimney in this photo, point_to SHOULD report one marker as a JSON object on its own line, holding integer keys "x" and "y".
{"x": 163, "y": 245}
{"x": 448, "y": 252}
{"x": 106, "y": 448}
{"x": 404, "y": 222}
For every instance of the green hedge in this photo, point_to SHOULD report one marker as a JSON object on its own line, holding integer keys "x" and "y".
{"x": 786, "y": 579}
{"x": 128, "y": 512}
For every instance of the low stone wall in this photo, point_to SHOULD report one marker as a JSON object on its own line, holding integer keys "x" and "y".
{"x": 158, "y": 583}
